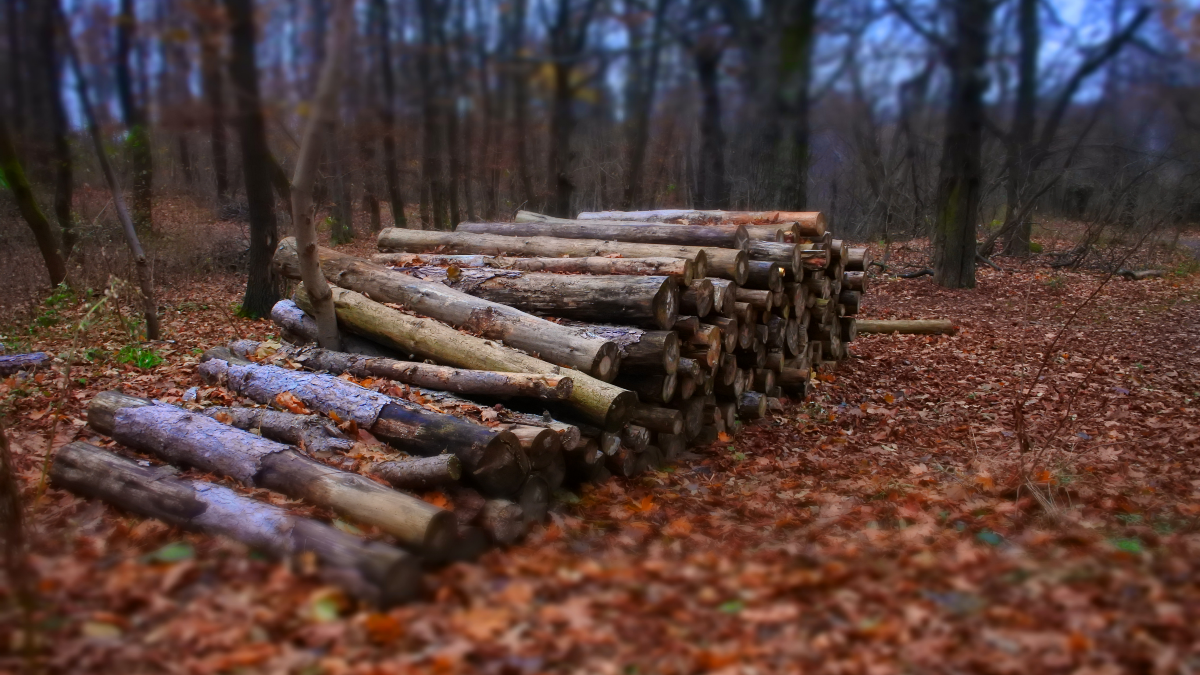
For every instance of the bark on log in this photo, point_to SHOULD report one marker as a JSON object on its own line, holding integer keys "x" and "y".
{"x": 310, "y": 433}
{"x": 539, "y": 443}
{"x": 685, "y": 387}
{"x": 442, "y": 378}
{"x": 556, "y": 344}
{"x": 299, "y": 328}
{"x": 788, "y": 256}
{"x": 911, "y": 327}
{"x": 534, "y": 499}
{"x": 733, "y": 236}
{"x": 766, "y": 274}
{"x": 16, "y": 362}
{"x": 811, "y": 224}
{"x": 752, "y": 405}
{"x": 855, "y": 281}
{"x": 772, "y": 233}
{"x": 380, "y": 574}
{"x": 417, "y": 241}
{"x": 626, "y": 462}
{"x": 420, "y": 474}
{"x": 709, "y": 355}
{"x": 655, "y": 418}
{"x": 683, "y": 270}
{"x": 493, "y": 458}
{"x": 736, "y": 387}
{"x": 685, "y": 326}
{"x": 852, "y": 300}
{"x": 671, "y": 445}
{"x": 727, "y": 412}
{"x": 185, "y": 438}
{"x": 657, "y": 350}
{"x": 728, "y": 263}
{"x": 600, "y": 402}
{"x": 503, "y": 521}
{"x": 697, "y": 298}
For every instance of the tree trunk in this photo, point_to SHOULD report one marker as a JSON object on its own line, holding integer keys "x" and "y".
{"x": 262, "y": 286}
{"x": 557, "y": 344}
{"x": 381, "y": 13}
{"x": 184, "y": 438}
{"x": 214, "y": 94}
{"x": 64, "y": 181}
{"x": 961, "y": 171}
{"x": 320, "y": 123}
{"x": 601, "y": 403}
{"x": 643, "y": 101}
{"x": 441, "y": 378}
{"x": 433, "y": 189}
{"x": 1020, "y": 141}
{"x": 374, "y": 572}
{"x": 14, "y": 175}
{"x": 683, "y": 271}
{"x": 145, "y": 274}
{"x": 733, "y": 236}
{"x": 712, "y": 184}
{"x": 137, "y": 144}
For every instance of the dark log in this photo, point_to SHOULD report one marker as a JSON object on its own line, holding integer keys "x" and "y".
{"x": 503, "y": 521}
{"x": 420, "y": 474}
{"x": 534, "y": 499}
{"x": 651, "y": 388}
{"x": 557, "y": 344}
{"x": 651, "y": 458}
{"x": 776, "y": 327}
{"x": 766, "y": 275}
{"x": 697, "y": 299}
{"x": 791, "y": 379}
{"x": 686, "y": 325}
{"x": 310, "y": 433}
{"x": 625, "y": 463}
{"x": 689, "y": 368}
{"x": 655, "y": 418}
{"x": 685, "y": 387}
{"x": 764, "y": 379}
{"x": 493, "y": 458}
{"x": 752, "y": 358}
{"x": 553, "y": 473}
{"x": 728, "y": 370}
{"x": 655, "y": 350}
{"x": 539, "y": 443}
{"x": 855, "y": 281}
{"x": 858, "y": 259}
{"x": 733, "y": 236}
{"x": 600, "y": 402}
{"x": 849, "y": 328}
{"x": 634, "y": 437}
{"x": 380, "y": 574}
{"x": 693, "y": 416}
{"x": 736, "y": 387}
{"x": 729, "y": 331}
{"x": 671, "y": 445}
{"x": 724, "y": 296}
{"x": 788, "y": 256}
{"x": 728, "y": 414}
{"x": 851, "y": 300}
{"x": 15, "y": 362}
{"x": 184, "y": 438}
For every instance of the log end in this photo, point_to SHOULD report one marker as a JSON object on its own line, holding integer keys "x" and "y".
{"x": 607, "y": 362}
{"x": 105, "y": 405}
{"x": 620, "y": 410}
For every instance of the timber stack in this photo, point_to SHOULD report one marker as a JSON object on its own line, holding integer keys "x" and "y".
{"x": 483, "y": 370}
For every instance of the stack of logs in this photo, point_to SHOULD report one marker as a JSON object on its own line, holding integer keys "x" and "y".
{"x": 503, "y": 361}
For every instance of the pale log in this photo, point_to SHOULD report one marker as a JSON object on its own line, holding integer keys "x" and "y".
{"x": 493, "y": 458}
{"x": 720, "y": 236}
{"x": 557, "y": 344}
{"x": 810, "y": 223}
{"x": 539, "y": 443}
{"x": 789, "y": 256}
{"x": 180, "y": 437}
{"x": 379, "y": 574}
{"x": 907, "y": 327}
{"x": 600, "y": 402}
{"x": 16, "y": 362}
{"x": 298, "y": 327}
{"x": 683, "y": 270}
{"x": 310, "y": 433}
{"x": 655, "y": 418}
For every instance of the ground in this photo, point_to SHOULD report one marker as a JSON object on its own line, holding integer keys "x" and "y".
{"x": 890, "y": 523}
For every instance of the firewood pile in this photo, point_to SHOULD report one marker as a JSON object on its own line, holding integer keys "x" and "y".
{"x": 496, "y": 364}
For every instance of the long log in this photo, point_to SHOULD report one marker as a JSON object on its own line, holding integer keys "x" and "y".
{"x": 600, "y": 402}
{"x": 493, "y": 458}
{"x": 752, "y": 405}
{"x": 311, "y": 433}
{"x": 683, "y": 270}
{"x": 14, "y": 362}
{"x": 380, "y": 574}
{"x": 731, "y": 236}
{"x": 180, "y": 437}
{"x": 907, "y": 327}
{"x": 556, "y": 344}
{"x": 443, "y": 378}
{"x": 426, "y": 241}
{"x": 811, "y": 224}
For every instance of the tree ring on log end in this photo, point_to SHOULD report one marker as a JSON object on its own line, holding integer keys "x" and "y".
{"x": 620, "y": 410}
{"x": 607, "y": 363}
{"x": 666, "y": 304}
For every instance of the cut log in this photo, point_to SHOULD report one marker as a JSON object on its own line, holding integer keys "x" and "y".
{"x": 534, "y": 499}
{"x": 793, "y": 337}
{"x": 736, "y": 387}
{"x": 427, "y": 241}
{"x": 724, "y": 296}
{"x": 776, "y": 327}
{"x": 420, "y": 474}
{"x": 697, "y": 299}
{"x": 626, "y": 462}
{"x": 728, "y": 263}
{"x": 789, "y": 256}
{"x": 811, "y": 224}
{"x": 551, "y": 387}
{"x": 849, "y": 328}
{"x": 656, "y": 350}
{"x": 752, "y": 405}
{"x": 16, "y": 362}
{"x": 727, "y": 371}
{"x": 729, "y": 331}
{"x": 651, "y": 388}
{"x": 652, "y": 458}
{"x": 727, "y": 412}
{"x": 599, "y": 402}
{"x": 671, "y": 446}
{"x": 852, "y": 300}
{"x": 183, "y": 438}
{"x": 493, "y": 458}
{"x": 380, "y": 574}
{"x": 752, "y": 359}
{"x": 1139, "y": 275}
{"x": 299, "y": 328}
{"x": 728, "y": 236}
{"x": 580, "y": 461}
{"x": 557, "y": 344}
{"x": 686, "y": 325}
{"x": 503, "y": 521}
{"x": 539, "y": 443}
{"x": 661, "y": 420}
{"x": 683, "y": 270}
{"x": 855, "y": 281}
{"x": 689, "y": 368}
{"x": 709, "y": 355}
{"x": 311, "y": 433}
{"x": 554, "y": 473}
{"x": 693, "y": 416}
{"x": 772, "y": 233}
{"x": 858, "y": 259}
{"x": 766, "y": 275}
{"x": 764, "y": 379}
{"x": 635, "y": 438}
{"x": 819, "y": 286}
{"x": 907, "y": 327}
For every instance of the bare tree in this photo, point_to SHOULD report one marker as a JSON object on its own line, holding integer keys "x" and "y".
{"x": 137, "y": 145}
{"x": 568, "y": 29}
{"x": 14, "y": 175}
{"x": 381, "y": 20}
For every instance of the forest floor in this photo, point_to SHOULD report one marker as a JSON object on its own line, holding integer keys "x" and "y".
{"x": 890, "y": 523}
